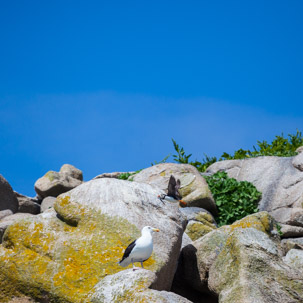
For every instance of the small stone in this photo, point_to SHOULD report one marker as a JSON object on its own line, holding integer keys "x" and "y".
{"x": 47, "y": 203}
{"x": 55, "y": 183}
{"x": 8, "y": 199}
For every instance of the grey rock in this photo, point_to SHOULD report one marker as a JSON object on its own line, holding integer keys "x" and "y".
{"x": 250, "y": 269}
{"x": 297, "y": 240}
{"x": 27, "y": 204}
{"x": 109, "y": 175}
{"x": 191, "y": 213}
{"x": 55, "y": 183}
{"x": 297, "y": 161}
{"x": 9, "y": 220}
{"x": 280, "y": 183}
{"x": 47, "y": 203}
{"x": 71, "y": 171}
{"x": 200, "y": 222}
{"x": 186, "y": 240}
{"x": 131, "y": 286}
{"x": 194, "y": 189}
{"x": 291, "y": 231}
{"x": 8, "y": 199}
{"x": 139, "y": 204}
{"x": 299, "y": 149}
{"x": 288, "y": 244}
{"x": 294, "y": 258}
{"x": 5, "y": 213}
{"x": 289, "y": 216}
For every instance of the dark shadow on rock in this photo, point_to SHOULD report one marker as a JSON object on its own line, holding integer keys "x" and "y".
{"x": 187, "y": 282}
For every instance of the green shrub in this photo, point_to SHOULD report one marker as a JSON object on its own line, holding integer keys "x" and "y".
{"x": 235, "y": 200}
{"x": 125, "y": 176}
{"x": 280, "y": 146}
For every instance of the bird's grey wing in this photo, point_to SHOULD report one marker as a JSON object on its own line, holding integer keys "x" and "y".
{"x": 171, "y": 186}
{"x": 128, "y": 250}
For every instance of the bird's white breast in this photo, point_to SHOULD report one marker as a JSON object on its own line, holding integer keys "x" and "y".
{"x": 170, "y": 199}
{"x": 143, "y": 249}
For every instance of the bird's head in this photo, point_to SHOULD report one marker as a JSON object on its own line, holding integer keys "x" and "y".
{"x": 161, "y": 197}
{"x": 149, "y": 229}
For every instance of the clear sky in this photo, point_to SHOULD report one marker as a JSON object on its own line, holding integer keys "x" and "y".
{"x": 105, "y": 85}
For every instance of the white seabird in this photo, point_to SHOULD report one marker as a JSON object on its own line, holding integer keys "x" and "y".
{"x": 139, "y": 250}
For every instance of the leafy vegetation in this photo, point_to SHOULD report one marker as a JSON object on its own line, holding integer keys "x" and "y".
{"x": 125, "y": 176}
{"x": 280, "y": 146}
{"x": 234, "y": 199}
{"x": 278, "y": 226}
{"x": 162, "y": 161}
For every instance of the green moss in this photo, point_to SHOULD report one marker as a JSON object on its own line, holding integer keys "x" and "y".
{"x": 197, "y": 230}
{"x": 67, "y": 258}
{"x": 52, "y": 175}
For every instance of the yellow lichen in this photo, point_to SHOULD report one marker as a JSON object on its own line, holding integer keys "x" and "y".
{"x": 197, "y": 230}
{"x": 52, "y": 258}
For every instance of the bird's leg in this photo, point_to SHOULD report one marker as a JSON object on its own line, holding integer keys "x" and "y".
{"x": 134, "y": 267}
{"x": 159, "y": 197}
{"x": 142, "y": 264}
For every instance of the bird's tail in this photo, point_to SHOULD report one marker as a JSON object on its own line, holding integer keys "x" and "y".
{"x": 123, "y": 263}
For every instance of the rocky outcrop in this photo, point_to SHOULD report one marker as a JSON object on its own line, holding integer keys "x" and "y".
{"x": 55, "y": 183}
{"x": 130, "y": 286}
{"x": 9, "y": 220}
{"x": 75, "y": 245}
{"x": 200, "y": 222}
{"x": 47, "y": 203}
{"x": 240, "y": 263}
{"x": 194, "y": 189}
{"x": 294, "y": 258}
{"x": 27, "y": 204}
{"x": 8, "y": 199}
{"x": 279, "y": 181}
{"x": 5, "y": 213}
{"x": 114, "y": 175}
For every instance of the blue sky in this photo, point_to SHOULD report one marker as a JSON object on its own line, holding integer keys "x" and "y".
{"x": 105, "y": 85}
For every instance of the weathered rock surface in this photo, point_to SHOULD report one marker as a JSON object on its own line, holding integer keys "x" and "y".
{"x": 8, "y": 199}
{"x": 139, "y": 204}
{"x": 294, "y": 258}
{"x": 71, "y": 171}
{"x": 132, "y": 286}
{"x": 241, "y": 263}
{"x": 109, "y": 175}
{"x": 200, "y": 222}
{"x": 291, "y": 231}
{"x": 27, "y": 204}
{"x": 73, "y": 246}
{"x": 5, "y": 213}
{"x": 194, "y": 189}
{"x": 279, "y": 181}
{"x": 9, "y": 220}
{"x": 297, "y": 161}
{"x": 47, "y": 203}
{"x": 288, "y": 244}
{"x": 55, "y": 183}
{"x": 299, "y": 149}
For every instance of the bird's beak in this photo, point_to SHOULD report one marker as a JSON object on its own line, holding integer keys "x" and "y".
{"x": 183, "y": 203}
{"x": 156, "y": 229}
{"x": 158, "y": 196}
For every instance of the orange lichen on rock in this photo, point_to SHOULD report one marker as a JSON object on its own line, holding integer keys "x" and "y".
{"x": 61, "y": 260}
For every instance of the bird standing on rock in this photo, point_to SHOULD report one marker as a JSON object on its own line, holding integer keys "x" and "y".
{"x": 173, "y": 194}
{"x": 139, "y": 250}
